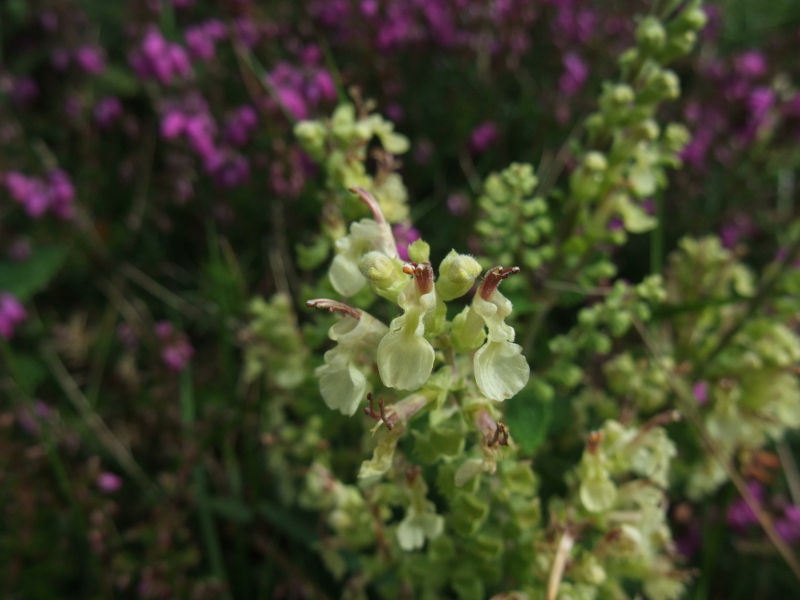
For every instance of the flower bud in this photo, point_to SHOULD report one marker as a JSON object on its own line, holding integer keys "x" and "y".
{"x": 384, "y": 274}
{"x": 311, "y": 135}
{"x": 661, "y": 84}
{"x": 587, "y": 180}
{"x": 419, "y": 251}
{"x": 457, "y": 274}
{"x": 650, "y": 35}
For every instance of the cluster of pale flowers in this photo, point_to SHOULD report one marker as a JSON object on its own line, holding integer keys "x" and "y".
{"x": 406, "y": 351}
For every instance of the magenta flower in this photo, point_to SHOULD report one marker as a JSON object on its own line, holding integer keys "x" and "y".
{"x": 739, "y": 516}
{"x": 12, "y": 314}
{"x": 107, "y": 111}
{"x": 751, "y": 65}
{"x": 576, "y": 71}
{"x": 483, "y": 137}
{"x": 90, "y": 59}
{"x": 788, "y": 525}
{"x": 176, "y": 351}
{"x": 700, "y": 392}
{"x": 108, "y": 482}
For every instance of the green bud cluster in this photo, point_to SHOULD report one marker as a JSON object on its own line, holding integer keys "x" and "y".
{"x": 274, "y": 347}
{"x": 339, "y": 146}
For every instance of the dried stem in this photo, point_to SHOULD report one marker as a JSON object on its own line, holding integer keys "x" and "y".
{"x": 690, "y": 411}
{"x": 559, "y": 564}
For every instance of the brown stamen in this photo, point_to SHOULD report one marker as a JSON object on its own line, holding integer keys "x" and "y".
{"x": 493, "y": 278}
{"x": 333, "y": 306}
{"x": 379, "y": 416}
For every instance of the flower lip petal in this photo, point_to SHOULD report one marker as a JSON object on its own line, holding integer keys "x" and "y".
{"x": 500, "y": 369}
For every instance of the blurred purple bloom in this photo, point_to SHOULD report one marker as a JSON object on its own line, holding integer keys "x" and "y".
{"x": 247, "y": 31}
{"x": 62, "y": 193}
{"x": 173, "y": 124}
{"x": 12, "y": 313}
{"x": 127, "y": 336}
{"x": 700, "y": 392}
{"x": 576, "y": 71}
{"x": 483, "y": 137}
{"x": 751, "y": 65}
{"x": 739, "y": 516}
{"x": 90, "y": 59}
{"x": 457, "y": 204}
{"x": 177, "y": 354}
{"x": 293, "y": 102}
{"x": 240, "y": 124}
{"x": 108, "y": 482}
{"x": 107, "y": 111}
{"x": 788, "y": 525}
{"x": 176, "y": 351}
{"x": 159, "y": 59}
{"x": 201, "y": 39}
{"x": 760, "y": 102}
{"x": 24, "y": 91}
{"x": 690, "y": 541}
{"x": 404, "y": 235}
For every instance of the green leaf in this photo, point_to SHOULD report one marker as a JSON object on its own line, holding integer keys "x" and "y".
{"x": 231, "y": 509}
{"x": 24, "y": 279}
{"x": 528, "y": 419}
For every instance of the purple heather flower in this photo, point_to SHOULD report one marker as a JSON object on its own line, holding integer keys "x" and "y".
{"x": 107, "y": 111}
{"x": 575, "y": 74}
{"x": 62, "y": 193}
{"x": 739, "y": 516}
{"x": 483, "y": 137}
{"x": 404, "y": 235}
{"x": 247, "y": 31}
{"x": 182, "y": 3}
{"x": 240, "y": 124}
{"x": 24, "y": 91}
{"x": 700, "y": 392}
{"x": 293, "y": 102}
{"x": 176, "y": 354}
{"x": 176, "y": 349}
{"x": 108, "y": 482}
{"x": 173, "y": 124}
{"x": 369, "y": 8}
{"x": 90, "y": 59}
{"x": 788, "y": 525}
{"x": 457, "y": 204}
{"x": 751, "y": 65}
{"x": 127, "y": 336}
{"x": 12, "y": 313}
{"x": 159, "y": 59}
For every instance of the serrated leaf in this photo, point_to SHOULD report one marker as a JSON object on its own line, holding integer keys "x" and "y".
{"x": 24, "y": 279}
{"x": 528, "y": 419}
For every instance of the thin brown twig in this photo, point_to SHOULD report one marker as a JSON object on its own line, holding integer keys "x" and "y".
{"x": 689, "y": 410}
{"x": 93, "y": 420}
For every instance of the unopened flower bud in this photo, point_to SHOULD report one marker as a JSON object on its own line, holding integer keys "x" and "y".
{"x": 662, "y": 84}
{"x": 651, "y": 35}
{"x": 384, "y": 274}
{"x": 419, "y": 251}
{"x": 457, "y": 274}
